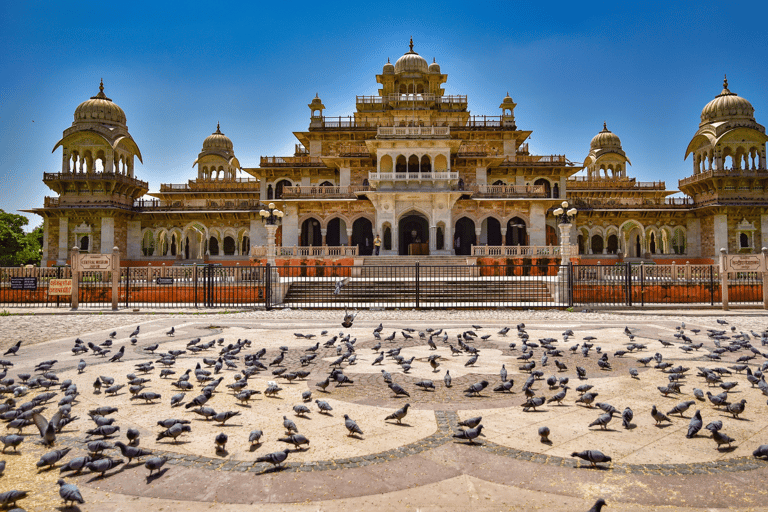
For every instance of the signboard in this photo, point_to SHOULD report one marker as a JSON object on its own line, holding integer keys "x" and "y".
{"x": 744, "y": 263}
{"x": 94, "y": 262}
{"x": 164, "y": 280}
{"x": 23, "y": 283}
{"x": 60, "y": 287}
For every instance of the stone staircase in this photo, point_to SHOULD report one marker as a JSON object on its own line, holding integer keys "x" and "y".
{"x": 396, "y": 261}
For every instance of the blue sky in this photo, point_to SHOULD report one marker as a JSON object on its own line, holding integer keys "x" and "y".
{"x": 177, "y": 69}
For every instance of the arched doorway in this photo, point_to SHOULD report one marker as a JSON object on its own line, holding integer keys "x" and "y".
{"x": 464, "y": 236}
{"x": 493, "y": 231}
{"x": 310, "y": 233}
{"x": 546, "y": 185}
{"x": 362, "y": 236}
{"x": 516, "y": 232}
{"x": 279, "y": 186}
{"x": 333, "y": 233}
{"x": 413, "y": 229}
{"x": 229, "y": 246}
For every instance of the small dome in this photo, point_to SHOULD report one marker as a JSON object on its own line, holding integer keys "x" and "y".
{"x": 217, "y": 140}
{"x": 727, "y": 105}
{"x": 605, "y": 139}
{"x": 389, "y": 68}
{"x": 434, "y": 67}
{"x": 100, "y": 109}
{"x": 411, "y": 62}
{"x": 507, "y": 99}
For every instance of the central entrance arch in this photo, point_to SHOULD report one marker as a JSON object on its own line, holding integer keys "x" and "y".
{"x": 362, "y": 236}
{"x": 413, "y": 229}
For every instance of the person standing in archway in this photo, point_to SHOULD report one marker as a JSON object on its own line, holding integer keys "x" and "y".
{"x": 377, "y": 244}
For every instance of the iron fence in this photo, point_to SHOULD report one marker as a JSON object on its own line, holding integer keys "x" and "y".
{"x": 381, "y": 286}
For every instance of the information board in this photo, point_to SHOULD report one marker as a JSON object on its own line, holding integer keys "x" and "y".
{"x": 60, "y": 287}
{"x": 24, "y": 283}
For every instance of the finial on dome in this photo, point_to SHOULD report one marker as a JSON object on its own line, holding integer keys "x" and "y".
{"x": 218, "y": 130}
{"x": 507, "y": 93}
{"x": 605, "y": 127}
{"x": 433, "y": 61}
{"x": 725, "y": 81}
{"x": 411, "y": 44}
{"x": 388, "y": 60}
{"x": 317, "y": 95}
{"x": 101, "y": 86}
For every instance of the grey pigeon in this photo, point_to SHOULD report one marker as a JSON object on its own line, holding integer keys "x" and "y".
{"x": 447, "y": 379}
{"x": 69, "y": 493}
{"x": 533, "y": 402}
{"x": 174, "y": 432}
{"x": 275, "y": 458}
{"x": 77, "y": 464}
{"x": 133, "y": 436}
{"x": 131, "y": 452}
{"x": 51, "y": 458}
{"x": 594, "y": 457}
{"x": 397, "y": 389}
{"x": 255, "y": 436}
{"x": 602, "y": 420}
{"x": 222, "y": 417}
{"x": 324, "y": 406}
{"x": 587, "y": 399}
{"x": 659, "y": 416}
{"x": 296, "y": 440}
{"x": 722, "y": 438}
{"x": 544, "y": 434}
{"x": 47, "y": 428}
{"x": 221, "y": 442}
{"x": 626, "y": 417}
{"x": 155, "y": 463}
{"x": 470, "y": 434}
{"x": 11, "y": 440}
{"x": 681, "y": 408}
{"x": 103, "y": 465}
{"x": 476, "y": 388}
{"x": 736, "y": 408}
{"x": 762, "y": 451}
{"x": 695, "y": 425}
{"x": 425, "y": 385}
{"x": 398, "y": 414}
{"x": 12, "y": 496}
{"x": 289, "y": 425}
{"x": 352, "y": 426}
{"x": 471, "y": 422}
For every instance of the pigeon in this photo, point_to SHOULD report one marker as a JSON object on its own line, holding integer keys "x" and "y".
{"x": 544, "y": 434}
{"x": 659, "y": 416}
{"x": 736, "y": 408}
{"x": 598, "y": 506}
{"x": 425, "y": 385}
{"x": 602, "y": 420}
{"x": 594, "y": 457}
{"x": 476, "y": 388}
{"x": 714, "y": 426}
{"x": 11, "y": 440}
{"x": 255, "y": 436}
{"x": 174, "y": 432}
{"x": 398, "y": 414}
{"x": 695, "y": 425}
{"x": 587, "y": 399}
{"x": 533, "y": 402}
{"x": 762, "y": 451}
{"x": 348, "y": 319}
{"x": 339, "y": 285}
{"x": 171, "y": 331}
{"x": 352, "y": 426}
{"x": 275, "y": 458}
{"x": 296, "y": 440}
{"x": 222, "y": 417}
{"x": 324, "y": 406}
{"x": 47, "y": 428}
{"x": 155, "y": 463}
{"x": 470, "y": 434}
{"x": 103, "y": 465}
{"x": 221, "y": 442}
{"x": 447, "y": 379}
{"x": 397, "y": 389}
{"x": 131, "y": 452}
{"x": 77, "y": 464}
{"x": 13, "y": 350}
{"x": 681, "y": 408}
{"x": 289, "y": 425}
{"x": 10, "y": 498}
{"x": 133, "y": 436}
{"x": 722, "y": 438}
{"x": 115, "y": 358}
{"x": 51, "y": 458}
{"x": 626, "y": 417}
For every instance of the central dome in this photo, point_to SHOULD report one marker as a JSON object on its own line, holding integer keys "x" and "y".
{"x": 217, "y": 140}
{"x": 411, "y": 62}
{"x": 605, "y": 139}
{"x": 100, "y": 109}
{"x": 727, "y": 105}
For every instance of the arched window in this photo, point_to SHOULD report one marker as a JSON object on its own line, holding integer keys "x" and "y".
{"x": 279, "y": 188}
{"x": 744, "y": 241}
{"x": 613, "y": 244}
{"x": 597, "y": 244}
{"x": 213, "y": 246}
{"x": 246, "y": 245}
{"x": 413, "y": 164}
{"x": 426, "y": 165}
{"x": 229, "y": 246}
{"x": 84, "y": 243}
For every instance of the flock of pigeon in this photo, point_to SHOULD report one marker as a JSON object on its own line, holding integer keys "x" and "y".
{"x": 20, "y": 412}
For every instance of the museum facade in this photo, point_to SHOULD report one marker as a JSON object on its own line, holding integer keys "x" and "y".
{"x": 414, "y": 166}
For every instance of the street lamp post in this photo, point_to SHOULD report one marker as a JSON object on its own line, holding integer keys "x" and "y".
{"x": 271, "y": 217}
{"x": 565, "y": 217}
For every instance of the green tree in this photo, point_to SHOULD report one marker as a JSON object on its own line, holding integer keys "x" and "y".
{"x": 16, "y": 246}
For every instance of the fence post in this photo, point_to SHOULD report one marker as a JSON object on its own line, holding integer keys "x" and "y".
{"x": 642, "y": 284}
{"x": 127, "y": 285}
{"x": 115, "y": 276}
{"x": 417, "y": 285}
{"x": 570, "y": 284}
{"x": 268, "y": 287}
{"x": 75, "y": 277}
{"x": 628, "y": 272}
{"x": 765, "y": 277}
{"x": 209, "y": 287}
{"x": 723, "y": 280}
{"x": 711, "y": 285}
{"x": 194, "y": 280}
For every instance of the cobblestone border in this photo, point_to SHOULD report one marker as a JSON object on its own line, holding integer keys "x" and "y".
{"x": 447, "y": 423}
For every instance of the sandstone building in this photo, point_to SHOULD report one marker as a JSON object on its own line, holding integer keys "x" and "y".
{"x": 415, "y": 166}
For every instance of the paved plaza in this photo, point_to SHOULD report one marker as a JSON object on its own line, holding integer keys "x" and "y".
{"x": 416, "y": 464}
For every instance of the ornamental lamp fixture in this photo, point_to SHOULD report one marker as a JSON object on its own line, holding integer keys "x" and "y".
{"x": 271, "y": 216}
{"x": 564, "y": 213}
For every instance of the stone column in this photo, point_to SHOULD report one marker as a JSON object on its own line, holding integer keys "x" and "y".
{"x": 107, "y": 234}
{"x": 720, "y": 234}
{"x": 349, "y": 238}
{"x": 763, "y": 231}
{"x": 63, "y": 239}
{"x": 478, "y": 231}
{"x": 271, "y": 231}
{"x": 565, "y": 243}
{"x": 133, "y": 242}
{"x": 323, "y": 233}
{"x": 432, "y": 239}
{"x": 44, "y": 259}
{"x": 537, "y": 232}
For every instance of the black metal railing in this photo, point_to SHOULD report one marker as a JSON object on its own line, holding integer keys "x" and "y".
{"x": 421, "y": 286}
